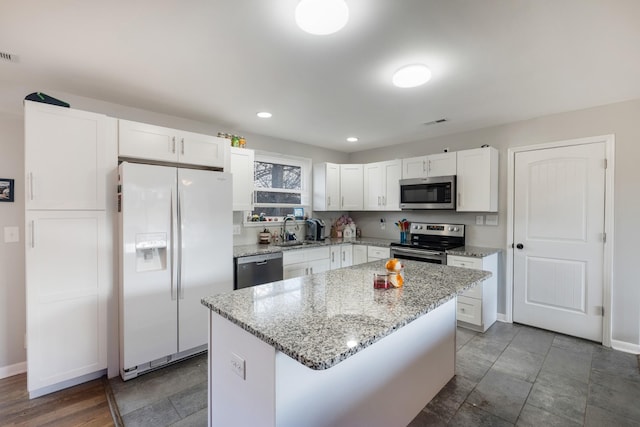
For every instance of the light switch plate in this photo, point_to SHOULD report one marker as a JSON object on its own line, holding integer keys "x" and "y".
{"x": 479, "y": 220}
{"x": 236, "y": 229}
{"x": 11, "y": 234}
{"x": 492, "y": 220}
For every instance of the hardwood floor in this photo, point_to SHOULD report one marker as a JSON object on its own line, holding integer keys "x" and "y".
{"x": 83, "y": 405}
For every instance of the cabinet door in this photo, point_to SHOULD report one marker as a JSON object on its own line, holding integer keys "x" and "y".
{"x": 66, "y": 288}
{"x": 414, "y": 167}
{"x": 295, "y": 270}
{"x": 351, "y": 186}
{"x": 242, "y": 171}
{"x": 392, "y": 172}
{"x": 332, "y": 195}
{"x": 144, "y": 141}
{"x": 477, "y": 180}
{"x": 373, "y": 186}
{"x": 203, "y": 150}
{"x": 346, "y": 255}
{"x": 65, "y": 158}
{"x": 376, "y": 253}
{"x": 336, "y": 257}
{"x": 359, "y": 254}
{"x": 319, "y": 266}
{"x": 443, "y": 164}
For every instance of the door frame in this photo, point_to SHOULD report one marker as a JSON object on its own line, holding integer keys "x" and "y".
{"x": 609, "y": 141}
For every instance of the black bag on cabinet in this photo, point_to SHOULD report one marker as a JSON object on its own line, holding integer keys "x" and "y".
{"x": 46, "y": 99}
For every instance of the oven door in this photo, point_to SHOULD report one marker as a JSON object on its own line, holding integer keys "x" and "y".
{"x": 428, "y": 193}
{"x": 422, "y": 255}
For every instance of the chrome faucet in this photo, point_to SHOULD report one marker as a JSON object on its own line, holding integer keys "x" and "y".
{"x": 286, "y": 236}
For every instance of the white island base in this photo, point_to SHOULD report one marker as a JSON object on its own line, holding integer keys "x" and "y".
{"x": 385, "y": 384}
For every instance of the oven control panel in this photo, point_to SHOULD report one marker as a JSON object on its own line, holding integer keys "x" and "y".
{"x": 456, "y": 230}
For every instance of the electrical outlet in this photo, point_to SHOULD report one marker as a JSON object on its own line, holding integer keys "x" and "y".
{"x": 238, "y": 365}
{"x": 492, "y": 220}
{"x": 236, "y": 229}
{"x": 479, "y": 220}
{"x": 383, "y": 224}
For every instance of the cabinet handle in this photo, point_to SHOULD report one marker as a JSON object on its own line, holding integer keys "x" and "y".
{"x": 459, "y": 200}
{"x": 342, "y": 202}
{"x": 173, "y": 145}
{"x": 428, "y": 166}
{"x": 311, "y": 270}
{"x": 343, "y": 256}
{"x": 384, "y": 200}
{"x": 30, "y": 185}
{"x": 424, "y": 166}
{"x": 378, "y": 200}
{"x": 328, "y": 201}
{"x": 33, "y": 234}
{"x": 333, "y": 257}
{"x": 182, "y": 146}
{"x": 306, "y": 271}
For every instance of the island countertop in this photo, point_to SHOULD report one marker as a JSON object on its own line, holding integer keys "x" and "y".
{"x": 322, "y": 319}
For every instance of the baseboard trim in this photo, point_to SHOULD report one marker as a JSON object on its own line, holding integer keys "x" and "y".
{"x": 627, "y": 347}
{"x": 502, "y": 318}
{"x": 11, "y": 370}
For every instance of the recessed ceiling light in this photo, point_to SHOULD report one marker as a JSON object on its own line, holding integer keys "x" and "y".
{"x": 352, "y": 139}
{"x": 412, "y": 75}
{"x": 264, "y": 115}
{"x": 322, "y": 17}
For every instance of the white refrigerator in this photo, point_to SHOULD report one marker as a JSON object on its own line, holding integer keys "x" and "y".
{"x": 176, "y": 246}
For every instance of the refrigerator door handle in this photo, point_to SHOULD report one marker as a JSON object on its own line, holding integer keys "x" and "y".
{"x": 179, "y": 245}
{"x": 174, "y": 278}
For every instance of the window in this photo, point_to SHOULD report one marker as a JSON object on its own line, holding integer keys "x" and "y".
{"x": 281, "y": 183}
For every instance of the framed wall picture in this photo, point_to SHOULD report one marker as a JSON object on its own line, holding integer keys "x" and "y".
{"x": 7, "y": 189}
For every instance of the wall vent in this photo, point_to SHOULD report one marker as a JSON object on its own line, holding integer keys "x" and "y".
{"x": 8, "y": 57}
{"x": 435, "y": 122}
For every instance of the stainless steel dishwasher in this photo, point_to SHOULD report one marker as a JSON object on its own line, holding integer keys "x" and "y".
{"x": 257, "y": 269}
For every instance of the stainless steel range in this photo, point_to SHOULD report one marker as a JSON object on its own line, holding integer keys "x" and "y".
{"x": 428, "y": 242}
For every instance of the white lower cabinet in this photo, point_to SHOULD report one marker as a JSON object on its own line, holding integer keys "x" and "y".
{"x": 302, "y": 262}
{"x": 341, "y": 256}
{"x": 359, "y": 254}
{"x": 68, "y": 273}
{"x": 375, "y": 253}
{"x": 477, "y": 307}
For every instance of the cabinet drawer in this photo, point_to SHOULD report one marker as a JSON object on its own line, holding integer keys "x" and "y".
{"x": 475, "y": 292}
{"x": 293, "y": 256}
{"x": 378, "y": 252}
{"x": 465, "y": 262}
{"x": 469, "y": 310}
{"x": 318, "y": 253}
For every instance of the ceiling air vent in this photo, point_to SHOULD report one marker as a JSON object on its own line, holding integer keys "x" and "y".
{"x": 8, "y": 57}
{"x": 435, "y": 122}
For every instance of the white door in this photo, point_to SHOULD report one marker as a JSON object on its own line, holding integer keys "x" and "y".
{"x": 346, "y": 255}
{"x": 148, "y": 288}
{"x": 242, "y": 170}
{"x": 206, "y": 241}
{"x": 414, "y": 167}
{"x": 199, "y": 149}
{"x": 351, "y": 187}
{"x": 144, "y": 141}
{"x": 373, "y": 186}
{"x": 442, "y": 164}
{"x": 392, "y": 172}
{"x": 333, "y": 186}
{"x": 65, "y": 158}
{"x": 559, "y": 196}
{"x": 66, "y": 296}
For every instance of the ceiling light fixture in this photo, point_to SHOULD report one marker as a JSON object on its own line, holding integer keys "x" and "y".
{"x": 322, "y": 17}
{"x": 264, "y": 115}
{"x": 352, "y": 139}
{"x": 412, "y": 75}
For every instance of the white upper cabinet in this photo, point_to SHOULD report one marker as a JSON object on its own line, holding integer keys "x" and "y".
{"x": 326, "y": 187}
{"x": 157, "y": 143}
{"x": 477, "y": 180}
{"x": 242, "y": 170}
{"x": 441, "y": 164}
{"x": 65, "y": 158}
{"x": 351, "y": 186}
{"x": 382, "y": 185}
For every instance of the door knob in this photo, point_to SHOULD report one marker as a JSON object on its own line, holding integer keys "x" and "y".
{"x": 519, "y": 246}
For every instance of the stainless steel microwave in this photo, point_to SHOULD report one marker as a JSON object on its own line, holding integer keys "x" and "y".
{"x": 438, "y": 192}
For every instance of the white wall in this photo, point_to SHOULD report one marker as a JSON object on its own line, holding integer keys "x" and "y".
{"x": 12, "y": 293}
{"x": 621, "y": 119}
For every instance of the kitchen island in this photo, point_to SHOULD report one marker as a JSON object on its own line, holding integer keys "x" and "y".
{"x": 328, "y": 349}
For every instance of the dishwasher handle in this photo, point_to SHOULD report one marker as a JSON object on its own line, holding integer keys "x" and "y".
{"x": 260, "y": 258}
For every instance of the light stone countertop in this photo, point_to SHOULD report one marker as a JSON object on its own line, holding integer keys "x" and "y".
{"x": 473, "y": 251}
{"x": 256, "y": 249}
{"x": 322, "y": 319}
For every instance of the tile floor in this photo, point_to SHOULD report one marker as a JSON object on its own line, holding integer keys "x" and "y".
{"x": 511, "y": 375}
{"x": 522, "y": 376}
{"x": 171, "y": 396}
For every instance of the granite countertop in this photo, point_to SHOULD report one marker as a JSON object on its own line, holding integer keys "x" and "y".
{"x": 322, "y": 319}
{"x": 473, "y": 251}
{"x": 256, "y": 249}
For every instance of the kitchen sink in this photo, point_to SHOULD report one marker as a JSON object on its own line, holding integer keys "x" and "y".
{"x": 293, "y": 243}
